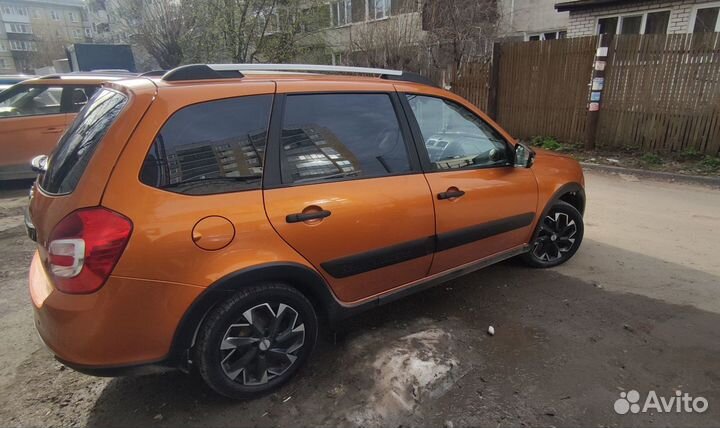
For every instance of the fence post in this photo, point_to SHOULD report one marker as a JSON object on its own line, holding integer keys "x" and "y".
{"x": 597, "y": 83}
{"x": 492, "y": 99}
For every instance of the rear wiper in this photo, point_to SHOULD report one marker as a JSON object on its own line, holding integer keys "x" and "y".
{"x": 241, "y": 178}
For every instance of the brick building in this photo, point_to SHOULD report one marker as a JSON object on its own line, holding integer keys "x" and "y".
{"x": 591, "y": 17}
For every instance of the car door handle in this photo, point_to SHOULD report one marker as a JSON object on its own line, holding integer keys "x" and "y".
{"x": 314, "y": 215}
{"x": 52, "y": 130}
{"x": 450, "y": 194}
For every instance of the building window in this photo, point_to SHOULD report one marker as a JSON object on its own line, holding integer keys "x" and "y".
{"x": 552, "y": 35}
{"x": 3, "y": 63}
{"x": 2, "y": 46}
{"x": 54, "y": 15}
{"x": 706, "y": 19}
{"x": 74, "y": 17}
{"x": 88, "y": 32}
{"x": 14, "y": 27}
{"x": 380, "y": 9}
{"x": 35, "y": 13}
{"x": 21, "y": 11}
{"x": 77, "y": 33}
{"x": 655, "y": 22}
{"x": 21, "y": 45}
{"x": 341, "y": 13}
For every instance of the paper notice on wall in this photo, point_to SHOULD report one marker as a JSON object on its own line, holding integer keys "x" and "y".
{"x": 600, "y": 65}
{"x": 594, "y": 107}
{"x": 602, "y": 52}
{"x": 598, "y": 83}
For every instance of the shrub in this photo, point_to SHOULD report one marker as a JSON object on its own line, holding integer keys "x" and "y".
{"x": 547, "y": 143}
{"x": 651, "y": 159}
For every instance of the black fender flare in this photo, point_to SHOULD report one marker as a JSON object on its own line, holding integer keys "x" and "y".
{"x": 572, "y": 187}
{"x": 305, "y": 279}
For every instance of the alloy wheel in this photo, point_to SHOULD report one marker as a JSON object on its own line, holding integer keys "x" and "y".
{"x": 555, "y": 238}
{"x": 263, "y": 344}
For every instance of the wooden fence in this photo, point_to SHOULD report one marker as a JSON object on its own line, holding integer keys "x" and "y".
{"x": 542, "y": 87}
{"x": 662, "y": 92}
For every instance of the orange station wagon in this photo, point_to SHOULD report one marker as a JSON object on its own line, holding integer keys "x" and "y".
{"x": 214, "y": 218}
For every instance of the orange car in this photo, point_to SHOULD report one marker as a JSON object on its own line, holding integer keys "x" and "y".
{"x": 215, "y": 217}
{"x": 35, "y": 113}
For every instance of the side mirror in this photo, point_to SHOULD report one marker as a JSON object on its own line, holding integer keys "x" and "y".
{"x": 524, "y": 156}
{"x": 39, "y": 164}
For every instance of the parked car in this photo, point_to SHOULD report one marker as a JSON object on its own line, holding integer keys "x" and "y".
{"x": 35, "y": 113}
{"x": 7, "y": 81}
{"x": 213, "y": 220}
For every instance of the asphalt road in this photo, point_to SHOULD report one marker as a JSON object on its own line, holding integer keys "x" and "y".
{"x": 636, "y": 309}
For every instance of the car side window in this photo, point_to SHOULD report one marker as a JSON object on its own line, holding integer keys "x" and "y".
{"x": 30, "y": 100}
{"x": 455, "y": 137}
{"x": 327, "y": 137}
{"x": 211, "y": 147}
{"x": 77, "y": 97}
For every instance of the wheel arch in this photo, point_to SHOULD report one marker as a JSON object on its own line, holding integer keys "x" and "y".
{"x": 304, "y": 279}
{"x": 571, "y": 193}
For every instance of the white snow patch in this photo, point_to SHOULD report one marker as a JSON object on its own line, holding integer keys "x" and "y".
{"x": 416, "y": 367}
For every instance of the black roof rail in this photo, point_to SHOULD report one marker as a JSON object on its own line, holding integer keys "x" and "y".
{"x": 408, "y": 76}
{"x": 225, "y": 71}
{"x": 199, "y": 72}
{"x": 153, "y": 73}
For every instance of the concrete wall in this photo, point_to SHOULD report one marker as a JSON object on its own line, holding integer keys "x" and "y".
{"x": 521, "y": 18}
{"x": 584, "y": 23}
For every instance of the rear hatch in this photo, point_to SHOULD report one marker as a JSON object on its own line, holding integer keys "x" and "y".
{"x": 80, "y": 166}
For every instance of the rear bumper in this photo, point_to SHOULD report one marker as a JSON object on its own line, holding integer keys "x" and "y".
{"x": 125, "y": 327}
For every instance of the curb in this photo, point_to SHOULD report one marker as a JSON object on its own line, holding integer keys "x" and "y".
{"x": 656, "y": 175}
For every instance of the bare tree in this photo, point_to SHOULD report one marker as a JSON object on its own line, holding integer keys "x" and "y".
{"x": 247, "y": 31}
{"x": 394, "y": 43}
{"x": 156, "y": 25}
{"x": 459, "y": 31}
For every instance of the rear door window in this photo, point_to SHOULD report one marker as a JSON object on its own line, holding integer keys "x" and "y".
{"x": 211, "y": 147}
{"x": 329, "y": 137}
{"x": 77, "y": 146}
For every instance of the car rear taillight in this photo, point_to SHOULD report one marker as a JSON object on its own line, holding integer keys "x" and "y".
{"x": 84, "y": 248}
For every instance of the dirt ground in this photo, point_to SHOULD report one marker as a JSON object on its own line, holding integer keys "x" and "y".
{"x": 638, "y": 308}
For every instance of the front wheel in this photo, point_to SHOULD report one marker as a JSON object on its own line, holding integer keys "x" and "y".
{"x": 558, "y": 237}
{"x": 256, "y": 341}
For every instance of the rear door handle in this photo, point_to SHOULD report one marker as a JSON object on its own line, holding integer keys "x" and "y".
{"x": 450, "y": 194}
{"x": 52, "y": 130}
{"x": 314, "y": 215}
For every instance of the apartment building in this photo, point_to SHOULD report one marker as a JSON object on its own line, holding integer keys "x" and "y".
{"x": 34, "y": 32}
{"x": 351, "y": 20}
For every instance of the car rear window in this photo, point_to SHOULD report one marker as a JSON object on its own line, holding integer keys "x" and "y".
{"x": 77, "y": 146}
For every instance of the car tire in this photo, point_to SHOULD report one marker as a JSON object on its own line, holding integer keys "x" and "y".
{"x": 254, "y": 342}
{"x": 557, "y": 238}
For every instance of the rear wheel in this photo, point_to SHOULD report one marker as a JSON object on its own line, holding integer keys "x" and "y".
{"x": 558, "y": 237}
{"x": 256, "y": 341}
